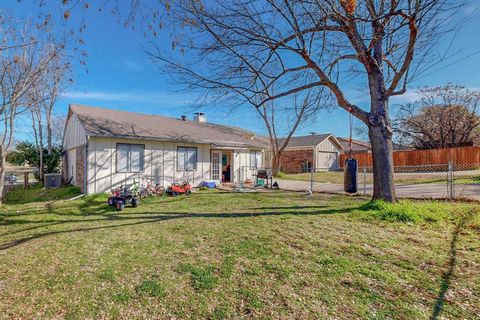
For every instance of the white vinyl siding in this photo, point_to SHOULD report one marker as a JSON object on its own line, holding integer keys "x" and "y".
{"x": 160, "y": 164}
{"x": 130, "y": 157}
{"x": 186, "y": 158}
{"x": 75, "y": 134}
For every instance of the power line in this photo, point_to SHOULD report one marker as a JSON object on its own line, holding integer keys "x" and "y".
{"x": 449, "y": 65}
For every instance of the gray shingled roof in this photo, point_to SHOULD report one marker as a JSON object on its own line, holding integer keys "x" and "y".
{"x": 102, "y": 122}
{"x": 356, "y": 144}
{"x": 307, "y": 141}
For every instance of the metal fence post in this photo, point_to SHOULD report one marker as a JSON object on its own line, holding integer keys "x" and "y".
{"x": 364, "y": 180}
{"x": 450, "y": 182}
{"x": 311, "y": 179}
{"x": 240, "y": 174}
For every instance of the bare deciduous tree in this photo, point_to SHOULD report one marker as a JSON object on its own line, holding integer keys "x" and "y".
{"x": 281, "y": 122}
{"x": 58, "y": 128}
{"x": 54, "y": 83}
{"x": 43, "y": 97}
{"x": 241, "y": 49}
{"x": 443, "y": 117}
{"x": 22, "y": 64}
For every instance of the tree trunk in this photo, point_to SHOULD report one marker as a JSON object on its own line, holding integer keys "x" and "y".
{"x": 382, "y": 154}
{"x": 3, "y": 158}
{"x": 49, "y": 133}
{"x": 38, "y": 141}
{"x": 275, "y": 163}
{"x": 40, "y": 169}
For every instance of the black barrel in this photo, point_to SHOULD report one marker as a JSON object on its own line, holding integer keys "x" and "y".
{"x": 350, "y": 176}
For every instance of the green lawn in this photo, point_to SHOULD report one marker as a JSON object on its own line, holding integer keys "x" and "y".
{"x": 38, "y": 193}
{"x": 227, "y": 255}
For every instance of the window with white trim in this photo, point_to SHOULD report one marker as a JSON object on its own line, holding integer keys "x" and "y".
{"x": 253, "y": 158}
{"x": 130, "y": 157}
{"x": 186, "y": 158}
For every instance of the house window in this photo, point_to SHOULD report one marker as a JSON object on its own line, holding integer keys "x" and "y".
{"x": 253, "y": 159}
{"x": 130, "y": 157}
{"x": 186, "y": 158}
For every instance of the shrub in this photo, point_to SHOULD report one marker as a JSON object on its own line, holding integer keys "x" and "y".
{"x": 280, "y": 175}
{"x": 411, "y": 212}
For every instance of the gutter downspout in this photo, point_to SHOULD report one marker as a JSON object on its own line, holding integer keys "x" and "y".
{"x": 85, "y": 167}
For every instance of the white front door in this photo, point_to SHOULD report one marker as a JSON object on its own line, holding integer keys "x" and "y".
{"x": 216, "y": 166}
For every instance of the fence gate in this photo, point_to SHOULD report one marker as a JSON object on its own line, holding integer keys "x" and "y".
{"x": 465, "y": 181}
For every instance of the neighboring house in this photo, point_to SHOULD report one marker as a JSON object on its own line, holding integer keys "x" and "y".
{"x": 320, "y": 151}
{"x": 106, "y": 148}
{"x": 358, "y": 146}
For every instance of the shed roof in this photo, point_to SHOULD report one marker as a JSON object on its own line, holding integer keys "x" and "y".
{"x": 356, "y": 144}
{"x": 311, "y": 140}
{"x": 102, "y": 122}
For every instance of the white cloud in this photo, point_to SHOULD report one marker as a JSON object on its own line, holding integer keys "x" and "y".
{"x": 410, "y": 96}
{"x": 131, "y": 65}
{"x": 163, "y": 98}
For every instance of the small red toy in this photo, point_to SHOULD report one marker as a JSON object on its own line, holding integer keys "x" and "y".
{"x": 176, "y": 189}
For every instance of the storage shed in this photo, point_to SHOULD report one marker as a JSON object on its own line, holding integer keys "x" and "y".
{"x": 317, "y": 151}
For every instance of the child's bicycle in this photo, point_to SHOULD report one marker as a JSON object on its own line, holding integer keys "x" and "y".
{"x": 148, "y": 188}
{"x": 155, "y": 189}
{"x": 140, "y": 191}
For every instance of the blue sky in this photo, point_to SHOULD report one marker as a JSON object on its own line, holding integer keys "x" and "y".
{"x": 119, "y": 75}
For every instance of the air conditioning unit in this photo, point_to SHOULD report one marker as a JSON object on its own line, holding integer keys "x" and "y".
{"x": 53, "y": 180}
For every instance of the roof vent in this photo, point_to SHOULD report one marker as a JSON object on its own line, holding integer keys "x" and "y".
{"x": 200, "y": 117}
{"x": 184, "y": 117}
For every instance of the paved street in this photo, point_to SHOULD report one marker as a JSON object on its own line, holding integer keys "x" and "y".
{"x": 425, "y": 190}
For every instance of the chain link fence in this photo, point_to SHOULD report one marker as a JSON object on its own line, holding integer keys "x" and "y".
{"x": 465, "y": 181}
{"x": 440, "y": 181}
{"x": 18, "y": 177}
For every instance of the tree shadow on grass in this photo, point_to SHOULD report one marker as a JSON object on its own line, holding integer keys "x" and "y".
{"x": 293, "y": 207}
{"x": 149, "y": 217}
{"x": 452, "y": 262}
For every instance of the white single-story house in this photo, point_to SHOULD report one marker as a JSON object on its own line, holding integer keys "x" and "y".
{"x": 106, "y": 148}
{"x": 317, "y": 151}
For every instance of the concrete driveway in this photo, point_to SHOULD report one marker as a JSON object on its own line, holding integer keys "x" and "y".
{"x": 419, "y": 191}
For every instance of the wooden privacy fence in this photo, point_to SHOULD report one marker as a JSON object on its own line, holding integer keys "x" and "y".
{"x": 460, "y": 156}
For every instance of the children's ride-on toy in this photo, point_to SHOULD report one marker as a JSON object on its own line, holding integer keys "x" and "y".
{"x": 176, "y": 189}
{"x": 122, "y": 197}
